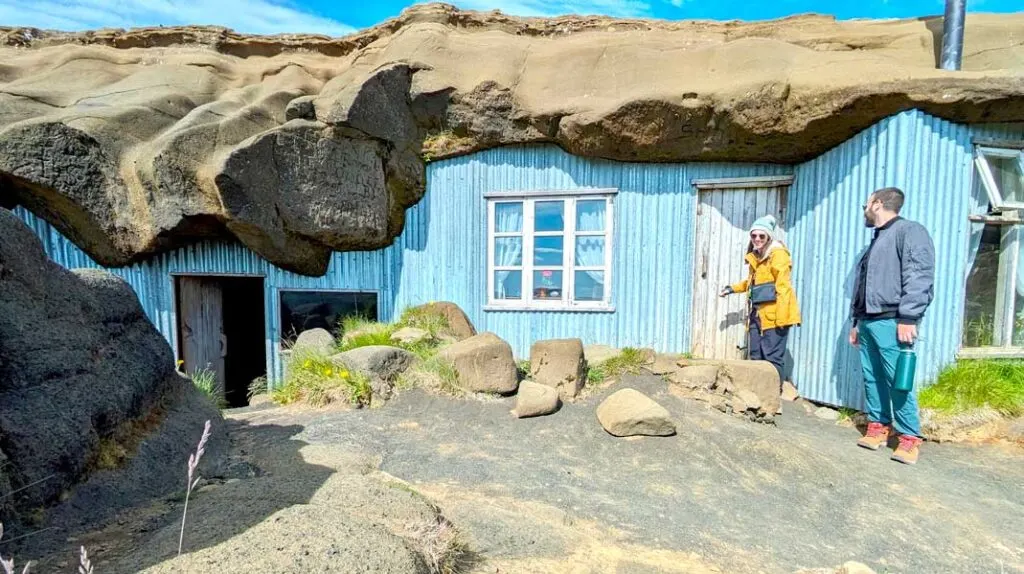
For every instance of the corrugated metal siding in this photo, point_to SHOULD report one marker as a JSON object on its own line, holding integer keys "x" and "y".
{"x": 154, "y": 284}
{"x": 928, "y": 158}
{"x": 443, "y": 253}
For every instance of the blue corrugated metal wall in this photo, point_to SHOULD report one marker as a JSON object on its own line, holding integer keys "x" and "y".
{"x": 154, "y": 284}
{"x": 930, "y": 160}
{"x": 443, "y": 253}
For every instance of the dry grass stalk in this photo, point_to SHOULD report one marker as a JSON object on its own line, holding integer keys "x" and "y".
{"x": 84, "y": 565}
{"x": 193, "y": 480}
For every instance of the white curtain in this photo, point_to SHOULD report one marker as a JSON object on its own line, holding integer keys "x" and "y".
{"x": 507, "y": 250}
{"x": 590, "y": 216}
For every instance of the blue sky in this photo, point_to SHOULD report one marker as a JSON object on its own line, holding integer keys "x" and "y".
{"x": 334, "y": 17}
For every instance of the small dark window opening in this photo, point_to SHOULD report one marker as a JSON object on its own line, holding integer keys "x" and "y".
{"x": 304, "y": 310}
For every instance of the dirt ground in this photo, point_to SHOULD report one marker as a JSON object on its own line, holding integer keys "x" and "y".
{"x": 558, "y": 494}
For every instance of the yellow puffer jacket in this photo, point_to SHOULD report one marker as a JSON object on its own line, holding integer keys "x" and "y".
{"x": 776, "y": 266}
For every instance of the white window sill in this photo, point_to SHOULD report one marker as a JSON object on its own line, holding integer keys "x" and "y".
{"x": 550, "y": 308}
{"x": 991, "y": 353}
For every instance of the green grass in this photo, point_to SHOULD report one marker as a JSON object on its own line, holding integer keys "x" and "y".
{"x": 420, "y": 318}
{"x": 972, "y": 384}
{"x": 434, "y": 374}
{"x": 847, "y": 414}
{"x": 206, "y": 381}
{"x": 523, "y": 369}
{"x": 317, "y": 381}
{"x": 628, "y": 362}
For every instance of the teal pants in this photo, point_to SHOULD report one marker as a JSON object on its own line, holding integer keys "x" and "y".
{"x": 879, "y": 350}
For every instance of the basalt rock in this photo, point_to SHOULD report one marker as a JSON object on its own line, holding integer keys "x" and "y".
{"x": 132, "y": 143}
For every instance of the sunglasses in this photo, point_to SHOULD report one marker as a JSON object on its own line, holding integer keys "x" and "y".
{"x": 758, "y": 236}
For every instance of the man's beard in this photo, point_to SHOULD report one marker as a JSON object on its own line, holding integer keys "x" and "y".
{"x": 868, "y": 222}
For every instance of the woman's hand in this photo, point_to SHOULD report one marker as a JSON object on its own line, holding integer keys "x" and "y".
{"x": 727, "y": 290}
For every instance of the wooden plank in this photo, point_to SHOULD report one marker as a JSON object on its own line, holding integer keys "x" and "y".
{"x": 700, "y": 285}
{"x": 742, "y": 182}
{"x": 201, "y": 317}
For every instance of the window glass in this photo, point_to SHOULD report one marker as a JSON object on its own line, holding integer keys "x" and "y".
{"x": 304, "y": 310}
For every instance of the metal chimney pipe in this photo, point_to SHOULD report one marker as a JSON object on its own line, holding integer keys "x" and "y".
{"x": 953, "y": 34}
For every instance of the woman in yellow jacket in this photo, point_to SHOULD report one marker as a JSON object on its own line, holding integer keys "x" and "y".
{"x": 774, "y": 308}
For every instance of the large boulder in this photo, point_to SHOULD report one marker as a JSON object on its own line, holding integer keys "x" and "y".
{"x": 382, "y": 364}
{"x": 83, "y": 374}
{"x": 598, "y": 354}
{"x": 410, "y": 336}
{"x": 629, "y": 412}
{"x": 534, "y": 400}
{"x": 559, "y": 363}
{"x": 135, "y": 142}
{"x": 317, "y": 341}
{"x": 695, "y": 377}
{"x": 484, "y": 364}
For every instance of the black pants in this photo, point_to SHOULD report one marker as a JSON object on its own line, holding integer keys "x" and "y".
{"x": 769, "y": 345}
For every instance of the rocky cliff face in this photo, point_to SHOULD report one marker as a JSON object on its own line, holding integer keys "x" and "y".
{"x": 135, "y": 142}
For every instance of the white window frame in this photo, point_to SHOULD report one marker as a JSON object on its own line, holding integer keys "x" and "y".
{"x": 568, "y": 233}
{"x": 988, "y": 180}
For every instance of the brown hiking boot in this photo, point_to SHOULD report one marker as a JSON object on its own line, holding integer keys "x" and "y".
{"x": 908, "y": 450}
{"x": 877, "y": 435}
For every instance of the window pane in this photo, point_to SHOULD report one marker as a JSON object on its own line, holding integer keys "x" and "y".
{"x": 547, "y": 285}
{"x": 508, "y": 284}
{"x": 982, "y": 291}
{"x": 589, "y": 286}
{"x": 304, "y": 310}
{"x": 590, "y": 215}
{"x": 508, "y": 251}
{"x": 548, "y": 216}
{"x": 1009, "y": 179}
{"x": 547, "y": 251}
{"x": 508, "y": 217}
{"x": 590, "y": 251}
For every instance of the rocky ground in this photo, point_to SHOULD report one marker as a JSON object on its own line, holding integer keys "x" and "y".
{"x": 334, "y": 490}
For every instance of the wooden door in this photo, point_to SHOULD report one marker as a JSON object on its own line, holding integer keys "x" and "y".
{"x": 201, "y": 321}
{"x": 724, "y": 217}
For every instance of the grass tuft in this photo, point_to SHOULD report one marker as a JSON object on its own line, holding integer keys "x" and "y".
{"x": 972, "y": 384}
{"x": 318, "y": 381}
{"x": 443, "y": 546}
{"x": 421, "y": 318}
{"x": 206, "y": 381}
{"x": 432, "y": 374}
{"x": 628, "y": 362}
{"x": 523, "y": 369}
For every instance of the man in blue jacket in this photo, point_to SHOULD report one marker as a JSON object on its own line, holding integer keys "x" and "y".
{"x": 894, "y": 287}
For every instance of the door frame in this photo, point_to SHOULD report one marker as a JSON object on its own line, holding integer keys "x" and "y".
{"x": 783, "y": 182}
{"x": 176, "y": 311}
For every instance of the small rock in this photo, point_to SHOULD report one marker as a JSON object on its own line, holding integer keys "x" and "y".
{"x": 316, "y": 341}
{"x": 559, "y": 364}
{"x": 597, "y": 354}
{"x": 750, "y": 399}
{"x": 665, "y": 364}
{"x": 695, "y": 377}
{"x": 534, "y": 399}
{"x": 789, "y": 392}
{"x": 758, "y": 377}
{"x": 629, "y": 412}
{"x": 827, "y": 414}
{"x": 410, "y": 336}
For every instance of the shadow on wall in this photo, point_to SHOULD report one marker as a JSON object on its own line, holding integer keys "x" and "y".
{"x": 846, "y": 369}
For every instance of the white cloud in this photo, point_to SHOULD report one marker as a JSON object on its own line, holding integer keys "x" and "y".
{"x": 248, "y": 16}
{"x": 621, "y": 8}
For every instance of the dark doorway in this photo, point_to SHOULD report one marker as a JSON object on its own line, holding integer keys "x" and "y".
{"x": 221, "y": 328}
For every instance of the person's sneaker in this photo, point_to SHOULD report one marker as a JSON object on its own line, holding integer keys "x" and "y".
{"x": 908, "y": 450}
{"x": 877, "y": 435}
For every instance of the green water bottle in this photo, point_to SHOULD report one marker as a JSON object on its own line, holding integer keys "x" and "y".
{"x": 906, "y": 364}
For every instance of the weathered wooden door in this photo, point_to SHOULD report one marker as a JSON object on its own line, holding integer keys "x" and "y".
{"x": 724, "y": 217}
{"x": 201, "y": 320}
